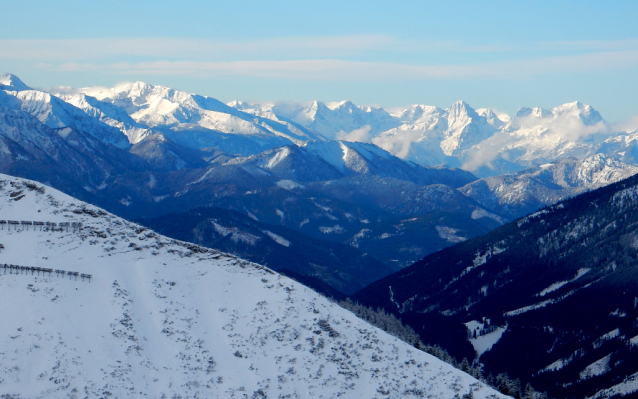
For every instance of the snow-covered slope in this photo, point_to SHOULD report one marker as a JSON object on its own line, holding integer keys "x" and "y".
{"x": 331, "y": 160}
{"x": 161, "y": 318}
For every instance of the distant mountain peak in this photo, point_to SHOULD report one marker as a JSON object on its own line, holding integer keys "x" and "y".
{"x": 11, "y": 82}
{"x": 585, "y": 112}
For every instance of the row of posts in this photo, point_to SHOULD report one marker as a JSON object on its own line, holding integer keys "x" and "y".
{"x": 15, "y": 269}
{"x": 46, "y": 226}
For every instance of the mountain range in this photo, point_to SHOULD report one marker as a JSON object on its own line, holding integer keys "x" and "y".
{"x": 151, "y": 152}
{"x": 483, "y": 141}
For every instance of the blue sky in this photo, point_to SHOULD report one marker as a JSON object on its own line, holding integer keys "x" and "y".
{"x": 500, "y": 54}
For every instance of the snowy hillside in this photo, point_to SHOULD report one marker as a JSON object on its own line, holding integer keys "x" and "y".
{"x": 161, "y": 318}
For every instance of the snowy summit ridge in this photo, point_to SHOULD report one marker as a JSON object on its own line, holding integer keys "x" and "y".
{"x": 163, "y": 317}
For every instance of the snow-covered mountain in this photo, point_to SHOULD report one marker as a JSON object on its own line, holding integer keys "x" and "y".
{"x": 196, "y": 121}
{"x": 328, "y": 190}
{"x": 339, "y": 120}
{"x": 68, "y": 158}
{"x": 113, "y": 309}
{"x": 433, "y": 136}
{"x": 483, "y": 141}
{"x": 518, "y": 194}
{"x": 109, "y": 114}
{"x": 56, "y": 113}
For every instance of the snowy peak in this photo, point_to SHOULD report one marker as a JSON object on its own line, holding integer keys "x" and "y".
{"x": 492, "y": 118}
{"x": 155, "y": 105}
{"x": 584, "y": 112}
{"x": 199, "y": 122}
{"x": 460, "y": 110}
{"x": 11, "y": 82}
{"x": 465, "y": 128}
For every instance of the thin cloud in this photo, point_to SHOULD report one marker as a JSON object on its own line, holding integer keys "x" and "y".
{"x": 338, "y": 69}
{"x": 83, "y": 50}
{"x": 90, "y": 49}
{"x": 600, "y": 45}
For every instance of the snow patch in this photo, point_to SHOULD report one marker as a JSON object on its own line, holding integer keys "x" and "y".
{"x": 628, "y": 386}
{"x": 597, "y": 368}
{"x": 617, "y": 313}
{"x": 532, "y": 216}
{"x": 449, "y": 234}
{"x": 279, "y": 156}
{"x": 152, "y": 181}
{"x": 559, "y": 284}
{"x": 289, "y": 184}
{"x": 334, "y": 229}
{"x": 159, "y": 198}
{"x": 479, "y": 213}
{"x": 483, "y": 337}
{"x": 607, "y": 337}
{"x": 277, "y": 238}
{"x": 235, "y": 234}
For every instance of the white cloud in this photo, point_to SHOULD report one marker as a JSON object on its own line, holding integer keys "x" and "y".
{"x": 630, "y": 125}
{"x": 361, "y": 135}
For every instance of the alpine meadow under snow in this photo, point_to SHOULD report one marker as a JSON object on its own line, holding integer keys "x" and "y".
{"x": 163, "y": 318}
